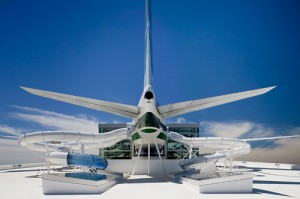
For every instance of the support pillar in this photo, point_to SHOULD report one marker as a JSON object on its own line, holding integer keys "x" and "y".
{"x": 139, "y": 152}
{"x": 157, "y": 149}
{"x": 148, "y": 156}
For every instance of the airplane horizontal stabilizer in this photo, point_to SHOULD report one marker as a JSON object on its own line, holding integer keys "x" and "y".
{"x": 180, "y": 108}
{"x": 110, "y": 107}
{"x": 270, "y": 138}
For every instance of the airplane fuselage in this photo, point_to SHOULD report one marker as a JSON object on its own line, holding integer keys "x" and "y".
{"x": 148, "y": 127}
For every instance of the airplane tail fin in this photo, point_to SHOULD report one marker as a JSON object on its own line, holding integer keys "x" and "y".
{"x": 148, "y": 79}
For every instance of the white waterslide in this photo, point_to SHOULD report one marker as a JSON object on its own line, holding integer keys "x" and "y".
{"x": 235, "y": 146}
{"x": 51, "y": 140}
{"x": 225, "y": 148}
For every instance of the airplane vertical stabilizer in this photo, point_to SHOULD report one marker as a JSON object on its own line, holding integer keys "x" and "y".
{"x": 148, "y": 46}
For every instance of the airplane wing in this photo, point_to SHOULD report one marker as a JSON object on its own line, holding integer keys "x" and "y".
{"x": 172, "y": 110}
{"x": 100, "y": 105}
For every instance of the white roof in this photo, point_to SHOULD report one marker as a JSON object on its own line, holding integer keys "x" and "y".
{"x": 270, "y": 182}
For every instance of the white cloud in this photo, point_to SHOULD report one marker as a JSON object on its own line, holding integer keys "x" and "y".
{"x": 178, "y": 120}
{"x": 12, "y": 153}
{"x": 57, "y": 121}
{"x": 12, "y": 130}
{"x": 181, "y": 120}
{"x": 287, "y": 151}
{"x": 235, "y": 129}
{"x": 116, "y": 122}
{"x": 294, "y": 131}
{"x": 282, "y": 151}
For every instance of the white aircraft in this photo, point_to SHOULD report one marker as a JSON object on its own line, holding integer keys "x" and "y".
{"x": 148, "y": 131}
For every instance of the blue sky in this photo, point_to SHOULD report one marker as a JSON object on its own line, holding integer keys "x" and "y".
{"x": 200, "y": 49}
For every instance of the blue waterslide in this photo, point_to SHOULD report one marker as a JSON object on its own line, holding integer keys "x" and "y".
{"x": 85, "y": 160}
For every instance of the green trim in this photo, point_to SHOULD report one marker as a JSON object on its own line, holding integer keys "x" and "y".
{"x": 162, "y": 136}
{"x": 148, "y": 120}
{"x": 135, "y": 136}
{"x": 146, "y": 130}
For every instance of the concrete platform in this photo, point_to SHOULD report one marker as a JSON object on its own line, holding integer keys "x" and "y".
{"x": 240, "y": 183}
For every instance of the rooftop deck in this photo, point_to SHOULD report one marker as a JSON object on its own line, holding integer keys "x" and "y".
{"x": 271, "y": 181}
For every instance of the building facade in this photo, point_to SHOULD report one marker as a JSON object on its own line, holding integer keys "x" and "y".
{"x": 126, "y": 150}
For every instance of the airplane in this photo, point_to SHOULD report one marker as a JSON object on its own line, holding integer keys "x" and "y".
{"x": 147, "y": 132}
